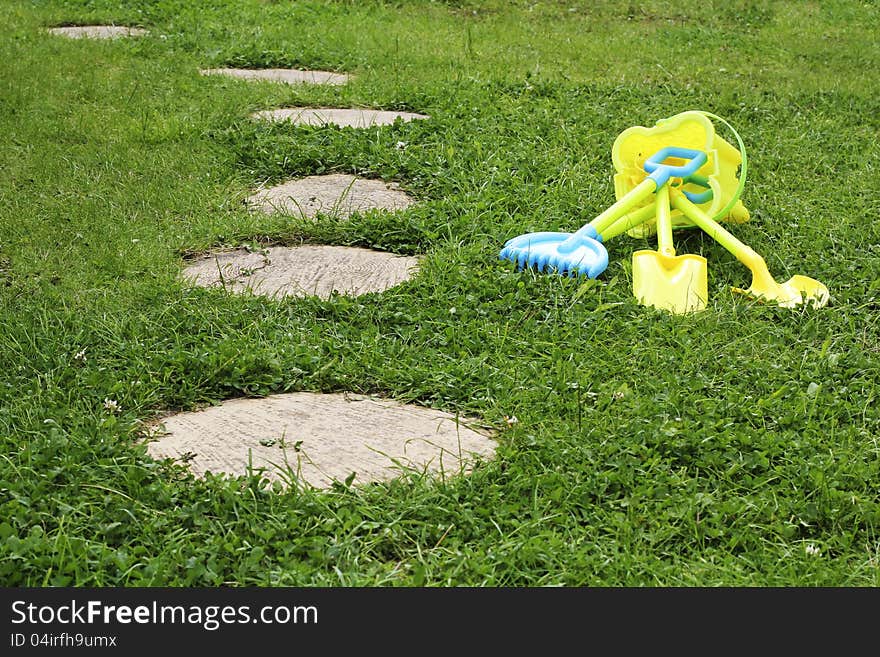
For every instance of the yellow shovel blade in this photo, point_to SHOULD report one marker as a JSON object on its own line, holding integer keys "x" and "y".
{"x": 679, "y": 284}
{"x": 795, "y": 291}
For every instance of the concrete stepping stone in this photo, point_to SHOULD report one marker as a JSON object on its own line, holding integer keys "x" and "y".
{"x": 302, "y": 271}
{"x": 321, "y": 437}
{"x": 97, "y": 31}
{"x": 344, "y": 118}
{"x": 285, "y": 75}
{"x": 339, "y": 195}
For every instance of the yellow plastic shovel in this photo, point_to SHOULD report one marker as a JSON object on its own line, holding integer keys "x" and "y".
{"x": 795, "y": 291}
{"x": 679, "y": 284}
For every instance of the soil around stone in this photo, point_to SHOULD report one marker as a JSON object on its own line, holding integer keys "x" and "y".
{"x": 97, "y": 31}
{"x": 338, "y": 195}
{"x": 282, "y": 75}
{"x": 321, "y": 438}
{"x": 344, "y": 118}
{"x": 302, "y": 271}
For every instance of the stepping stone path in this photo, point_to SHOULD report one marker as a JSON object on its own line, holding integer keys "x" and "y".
{"x": 323, "y": 437}
{"x": 344, "y": 118}
{"x": 337, "y": 195}
{"x": 288, "y": 76}
{"x": 97, "y": 31}
{"x": 303, "y": 270}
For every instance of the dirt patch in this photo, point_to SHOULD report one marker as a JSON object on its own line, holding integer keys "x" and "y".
{"x": 97, "y": 31}
{"x": 338, "y": 195}
{"x": 344, "y": 118}
{"x": 302, "y": 271}
{"x": 284, "y": 75}
{"x": 321, "y": 438}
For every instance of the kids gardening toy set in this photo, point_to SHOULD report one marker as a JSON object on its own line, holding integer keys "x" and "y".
{"x": 677, "y": 174}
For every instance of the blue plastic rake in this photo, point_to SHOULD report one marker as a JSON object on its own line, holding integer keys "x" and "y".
{"x": 583, "y": 253}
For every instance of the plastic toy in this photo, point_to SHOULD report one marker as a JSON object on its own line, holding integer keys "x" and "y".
{"x": 581, "y": 252}
{"x": 795, "y": 291}
{"x": 717, "y": 177}
{"x": 691, "y": 173}
{"x": 662, "y": 279}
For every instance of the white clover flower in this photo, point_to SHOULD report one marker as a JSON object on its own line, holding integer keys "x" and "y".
{"x": 111, "y": 405}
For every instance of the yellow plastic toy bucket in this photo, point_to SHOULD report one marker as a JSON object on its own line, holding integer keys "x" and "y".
{"x": 693, "y": 130}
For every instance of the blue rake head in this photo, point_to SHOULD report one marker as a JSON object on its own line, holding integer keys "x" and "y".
{"x": 567, "y": 254}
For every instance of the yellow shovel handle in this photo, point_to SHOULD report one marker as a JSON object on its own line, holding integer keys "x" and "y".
{"x": 664, "y": 221}
{"x": 742, "y": 252}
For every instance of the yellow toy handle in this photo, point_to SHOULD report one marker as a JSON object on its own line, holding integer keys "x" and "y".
{"x": 741, "y": 251}
{"x": 664, "y": 222}
{"x": 627, "y": 221}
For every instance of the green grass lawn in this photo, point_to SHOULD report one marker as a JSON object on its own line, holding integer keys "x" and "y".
{"x": 739, "y": 446}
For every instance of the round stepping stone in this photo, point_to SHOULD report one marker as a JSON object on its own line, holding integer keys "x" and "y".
{"x": 97, "y": 31}
{"x": 339, "y": 195}
{"x": 288, "y": 76}
{"x": 303, "y": 270}
{"x": 344, "y": 118}
{"x": 321, "y": 437}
